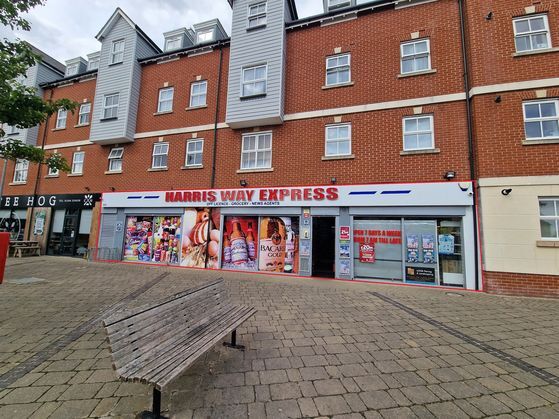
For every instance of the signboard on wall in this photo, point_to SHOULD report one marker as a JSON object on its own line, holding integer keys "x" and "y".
{"x": 48, "y": 201}
{"x": 420, "y": 274}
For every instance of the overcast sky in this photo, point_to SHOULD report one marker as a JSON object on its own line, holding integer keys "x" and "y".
{"x": 65, "y": 29}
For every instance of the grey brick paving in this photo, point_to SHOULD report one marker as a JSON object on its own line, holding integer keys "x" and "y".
{"x": 314, "y": 349}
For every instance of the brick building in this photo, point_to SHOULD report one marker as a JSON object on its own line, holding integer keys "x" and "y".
{"x": 342, "y": 145}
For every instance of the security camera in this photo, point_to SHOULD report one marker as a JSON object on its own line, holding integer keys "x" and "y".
{"x": 506, "y": 192}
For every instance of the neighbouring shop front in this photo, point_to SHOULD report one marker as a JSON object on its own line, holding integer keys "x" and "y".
{"x": 60, "y": 223}
{"x": 409, "y": 233}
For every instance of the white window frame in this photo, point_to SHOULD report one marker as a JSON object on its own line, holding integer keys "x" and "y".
{"x": 335, "y": 4}
{"x": 170, "y": 43}
{"x": 115, "y": 159}
{"x": 415, "y": 55}
{"x": 256, "y": 150}
{"x": 157, "y": 153}
{"x": 83, "y": 116}
{"x": 11, "y": 130}
{"x": 77, "y": 166}
{"x": 108, "y": 111}
{"x": 255, "y": 81}
{"x": 257, "y": 16}
{"x": 199, "y": 95}
{"x": 204, "y": 33}
{"x": 72, "y": 70}
{"x": 161, "y": 102}
{"x": 531, "y": 33}
{"x": 336, "y": 140}
{"x": 338, "y": 68}
{"x": 418, "y": 132}
{"x": 53, "y": 172}
{"x": 61, "y": 118}
{"x": 555, "y": 217}
{"x": 117, "y": 55}
{"x": 194, "y": 153}
{"x": 540, "y": 119}
{"x": 21, "y": 170}
{"x": 93, "y": 64}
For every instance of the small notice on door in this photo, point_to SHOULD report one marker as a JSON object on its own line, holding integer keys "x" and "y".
{"x": 367, "y": 253}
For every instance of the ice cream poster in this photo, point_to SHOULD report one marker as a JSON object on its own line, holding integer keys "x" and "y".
{"x": 200, "y": 238}
{"x": 412, "y": 244}
{"x": 240, "y": 243}
{"x": 166, "y": 240}
{"x": 428, "y": 245}
{"x": 137, "y": 240}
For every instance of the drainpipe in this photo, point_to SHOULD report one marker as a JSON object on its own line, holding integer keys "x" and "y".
{"x": 214, "y": 152}
{"x": 471, "y": 146}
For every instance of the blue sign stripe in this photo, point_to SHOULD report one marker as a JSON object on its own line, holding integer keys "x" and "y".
{"x": 134, "y": 197}
{"x": 151, "y": 197}
{"x": 363, "y": 193}
{"x": 395, "y": 192}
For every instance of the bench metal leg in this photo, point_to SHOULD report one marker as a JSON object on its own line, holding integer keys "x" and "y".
{"x": 156, "y": 409}
{"x": 233, "y": 343}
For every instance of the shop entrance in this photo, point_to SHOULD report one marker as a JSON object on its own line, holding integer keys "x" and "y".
{"x": 69, "y": 232}
{"x": 323, "y": 246}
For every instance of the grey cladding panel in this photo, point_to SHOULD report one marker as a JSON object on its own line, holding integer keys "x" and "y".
{"x": 46, "y": 75}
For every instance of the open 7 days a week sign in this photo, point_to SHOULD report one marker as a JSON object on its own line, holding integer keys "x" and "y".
{"x": 430, "y": 194}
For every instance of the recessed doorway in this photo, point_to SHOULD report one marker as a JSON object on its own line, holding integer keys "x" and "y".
{"x": 323, "y": 245}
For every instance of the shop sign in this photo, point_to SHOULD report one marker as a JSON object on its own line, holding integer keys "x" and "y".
{"x": 367, "y": 253}
{"x": 344, "y": 233}
{"x": 420, "y": 274}
{"x": 56, "y": 201}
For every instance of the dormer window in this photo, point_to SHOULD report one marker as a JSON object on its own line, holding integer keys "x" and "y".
{"x": 117, "y": 52}
{"x": 256, "y": 15}
{"x": 335, "y": 4}
{"x": 93, "y": 64}
{"x": 72, "y": 70}
{"x": 173, "y": 43}
{"x": 205, "y": 36}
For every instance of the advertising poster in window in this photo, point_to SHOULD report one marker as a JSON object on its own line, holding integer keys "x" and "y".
{"x": 137, "y": 241}
{"x": 412, "y": 242}
{"x": 279, "y": 244}
{"x": 367, "y": 253}
{"x": 200, "y": 237}
{"x": 240, "y": 243}
{"x": 166, "y": 240}
{"x": 446, "y": 244}
{"x": 428, "y": 245}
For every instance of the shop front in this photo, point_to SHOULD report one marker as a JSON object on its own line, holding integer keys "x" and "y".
{"x": 409, "y": 233}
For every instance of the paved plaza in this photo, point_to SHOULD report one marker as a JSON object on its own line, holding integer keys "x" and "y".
{"x": 314, "y": 348}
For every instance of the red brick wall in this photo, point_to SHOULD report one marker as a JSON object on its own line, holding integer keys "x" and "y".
{"x": 527, "y": 285}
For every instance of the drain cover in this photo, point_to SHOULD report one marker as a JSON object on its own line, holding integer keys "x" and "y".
{"x": 24, "y": 281}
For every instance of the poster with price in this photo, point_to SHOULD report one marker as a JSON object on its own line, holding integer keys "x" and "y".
{"x": 367, "y": 253}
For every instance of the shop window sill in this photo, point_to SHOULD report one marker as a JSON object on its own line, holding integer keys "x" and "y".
{"x": 335, "y": 86}
{"x": 348, "y": 157}
{"x": 17, "y": 183}
{"x": 58, "y": 129}
{"x": 158, "y": 169}
{"x": 547, "y": 243}
{"x": 537, "y": 52}
{"x": 114, "y": 172}
{"x": 193, "y": 108}
{"x": 162, "y": 113}
{"x": 271, "y": 169}
{"x": 416, "y": 73}
{"x": 198, "y": 166}
{"x": 81, "y": 125}
{"x": 75, "y": 174}
{"x": 416, "y": 152}
{"x": 540, "y": 142}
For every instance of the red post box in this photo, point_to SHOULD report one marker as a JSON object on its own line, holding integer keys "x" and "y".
{"x": 4, "y": 249}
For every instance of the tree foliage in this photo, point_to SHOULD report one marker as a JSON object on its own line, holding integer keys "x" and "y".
{"x": 20, "y": 106}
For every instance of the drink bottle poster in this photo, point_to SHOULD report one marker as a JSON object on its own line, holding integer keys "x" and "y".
{"x": 428, "y": 245}
{"x": 240, "y": 243}
{"x": 137, "y": 240}
{"x": 279, "y": 244}
{"x": 200, "y": 237}
{"x": 166, "y": 240}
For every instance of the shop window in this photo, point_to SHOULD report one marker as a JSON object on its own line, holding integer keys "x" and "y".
{"x": 110, "y": 106}
{"x": 541, "y": 120}
{"x": 549, "y": 218}
{"x": 338, "y": 69}
{"x": 256, "y": 15}
{"x": 257, "y": 151}
{"x": 165, "y": 102}
{"x": 254, "y": 80}
{"x": 117, "y": 52}
{"x": 194, "y": 151}
{"x": 198, "y": 94}
{"x": 20, "y": 171}
{"x": 160, "y": 156}
{"x": 53, "y": 171}
{"x": 418, "y": 133}
{"x": 338, "y": 140}
{"x": 61, "y": 117}
{"x": 77, "y": 162}
{"x": 85, "y": 110}
{"x": 415, "y": 56}
{"x": 115, "y": 159}
{"x": 531, "y": 33}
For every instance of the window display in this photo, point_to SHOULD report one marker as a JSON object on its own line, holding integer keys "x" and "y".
{"x": 200, "y": 241}
{"x": 137, "y": 243}
{"x": 166, "y": 239}
{"x": 240, "y": 243}
{"x": 279, "y": 244}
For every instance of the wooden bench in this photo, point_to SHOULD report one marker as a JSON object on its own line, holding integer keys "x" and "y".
{"x": 156, "y": 343}
{"x": 25, "y": 250}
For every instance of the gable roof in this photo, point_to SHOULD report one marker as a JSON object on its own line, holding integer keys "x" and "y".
{"x": 47, "y": 59}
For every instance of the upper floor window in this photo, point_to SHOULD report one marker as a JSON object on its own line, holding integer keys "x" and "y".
{"x": 110, "y": 106}
{"x": 83, "y": 117}
{"x": 257, "y": 15}
{"x": 93, "y": 64}
{"x": 549, "y": 218}
{"x": 173, "y": 43}
{"x": 117, "y": 52}
{"x": 20, "y": 171}
{"x": 205, "y": 36}
{"x": 531, "y": 33}
{"x": 415, "y": 56}
{"x": 198, "y": 94}
{"x": 254, "y": 80}
{"x": 72, "y": 70}
{"x": 338, "y": 69}
{"x": 77, "y": 162}
{"x": 256, "y": 151}
{"x": 338, "y": 140}
{"x": 160, "y": 156}
{"x": 418, "y": 133}
{"x": 194, "y": 151}
{"x": 53, "y": 171}
{"x": 165, "y": 102}
{"x": 11, "y": 130}
{"x": 541, "y": 120}
{"x": 61, "y": 118}
{"x": 115, "y": 159}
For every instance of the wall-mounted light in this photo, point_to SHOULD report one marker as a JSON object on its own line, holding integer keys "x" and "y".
{"x": 506, "y": 192}
{"x": 243, "y": 183}
{"x": 489, "y": 16}
{"x": 112, "y": 188}
{"x": 333, "y": 180}
{"x": 498, "y": 99}
{"x": 449, "y": 175}
{"x": 87, "y": 188}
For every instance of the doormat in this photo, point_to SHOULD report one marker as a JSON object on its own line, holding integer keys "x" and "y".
{"x": 24, "y": 281}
